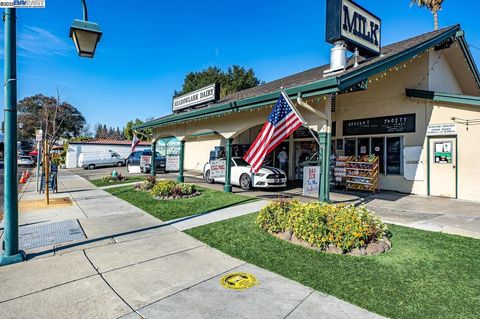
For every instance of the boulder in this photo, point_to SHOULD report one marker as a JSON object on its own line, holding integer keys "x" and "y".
{"x": 287, "y": 235}
{"x": 375, "y": 249}
{"x": 385, "y": 242}
{"x": 334, "y": 250}
{"x": 357, "y": 252}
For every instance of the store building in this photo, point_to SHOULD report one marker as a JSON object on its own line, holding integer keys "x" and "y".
{"x": 416, "y": 105}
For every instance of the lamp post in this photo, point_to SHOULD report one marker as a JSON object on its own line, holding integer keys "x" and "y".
{"x": 85, "y": 35}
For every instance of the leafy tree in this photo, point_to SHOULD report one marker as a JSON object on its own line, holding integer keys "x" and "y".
{"x": 234, "y": 79}
{"x": 57, "y": 119}
{"x": 433, "y": 5}
{"x": 143, "y": 135}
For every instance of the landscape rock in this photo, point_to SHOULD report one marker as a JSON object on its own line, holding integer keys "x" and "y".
{"x": 375, "y": 248}
{"x": 287, "y": 235}
{"x": 357, "y": 252}
{"x": 386, "y": 243}
{"x": 334, "y": 250}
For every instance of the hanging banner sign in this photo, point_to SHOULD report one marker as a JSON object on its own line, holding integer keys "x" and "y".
{"x": 217, "y": 169}
{"x": 352, "y": 23}
{"x": 442, "y": 129}
{"x": 311, "y": 180}
{"x": 172, "y": 163}
{"x": 203, "y": 95}
{"x": 404, "y": 123}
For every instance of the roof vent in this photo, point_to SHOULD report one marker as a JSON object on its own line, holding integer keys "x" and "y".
{"x": 338, "y": 58}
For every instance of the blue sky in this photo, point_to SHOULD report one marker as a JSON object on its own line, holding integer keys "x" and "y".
{"x": 148, "y": 47}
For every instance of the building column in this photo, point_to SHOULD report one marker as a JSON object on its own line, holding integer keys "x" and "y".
{"x": 228, "y": 166}
{"x": 180, "y": 177}
{"x": 324, "y": 139}
{"x": 153, "y": 159}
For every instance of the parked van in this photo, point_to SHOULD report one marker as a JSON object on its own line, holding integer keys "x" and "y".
{"x": 102, "y": 159}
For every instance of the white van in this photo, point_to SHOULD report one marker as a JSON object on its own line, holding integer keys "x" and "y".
{"x": 102, "y": 159}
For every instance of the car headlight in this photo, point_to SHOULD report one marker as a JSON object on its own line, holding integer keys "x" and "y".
{"x": 259, "y": 174}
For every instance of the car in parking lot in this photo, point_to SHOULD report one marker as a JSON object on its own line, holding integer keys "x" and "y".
{"x": 266, "y": 177}
{"x": 139, "y": 162}
{"x": 25, "y": 161}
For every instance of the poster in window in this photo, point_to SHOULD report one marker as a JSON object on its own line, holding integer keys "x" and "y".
{"x": 443, "y": 153}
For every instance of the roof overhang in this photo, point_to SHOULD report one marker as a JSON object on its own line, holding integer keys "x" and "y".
{"x": 339, "y": 84}
{"x": 444, "y": 97}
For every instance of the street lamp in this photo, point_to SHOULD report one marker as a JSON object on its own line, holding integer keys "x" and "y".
{"x": 85, "y": 34}
{"x": 86, "y": 44}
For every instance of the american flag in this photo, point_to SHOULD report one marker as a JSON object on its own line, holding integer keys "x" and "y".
{"x": 135, "y": 142}
{"x": 282, "y": 122}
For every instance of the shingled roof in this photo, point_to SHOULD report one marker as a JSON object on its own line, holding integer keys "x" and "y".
{"x": 313, "y": 81}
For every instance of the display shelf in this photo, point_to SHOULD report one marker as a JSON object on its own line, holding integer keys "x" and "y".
{"x": 362, "y": 173}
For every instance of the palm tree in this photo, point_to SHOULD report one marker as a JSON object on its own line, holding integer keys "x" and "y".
{"x": 433, "y": 5}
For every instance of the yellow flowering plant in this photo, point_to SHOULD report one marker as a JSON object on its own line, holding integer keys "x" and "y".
{"x": 322, "y": 225}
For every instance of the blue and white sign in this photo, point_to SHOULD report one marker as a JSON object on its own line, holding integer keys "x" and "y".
{"x": 352, "y": 23}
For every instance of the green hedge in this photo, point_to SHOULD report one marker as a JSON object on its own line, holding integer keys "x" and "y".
{"x": 322, "y": 225}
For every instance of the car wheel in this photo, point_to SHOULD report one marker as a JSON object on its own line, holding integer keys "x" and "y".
{"x": 245, "y": 182}
{"x": 91, "y": 166}
{"x": 119, "y": 164}
{"x": 208, "y": 179}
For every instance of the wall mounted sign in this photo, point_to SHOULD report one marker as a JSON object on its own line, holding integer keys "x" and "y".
{"x": 441, "y": 129}
{"x": 38, "y": 135}
{"x": 443, "y": 153}
{"x": 217, "y": 169}
{"x": 201, "y": 96}
{"x": 404, "y": 123}
{"x": 348, "y": 21}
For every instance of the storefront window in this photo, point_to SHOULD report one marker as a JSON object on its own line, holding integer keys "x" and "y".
{"x": 363, "y": 146}
{"x": 394, "y": 156}
{"x": 350, "y": 147}
{"x": 378, "y": 149}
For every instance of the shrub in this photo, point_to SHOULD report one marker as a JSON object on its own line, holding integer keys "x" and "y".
{"x": 274, "y": 217}
{"x": 147, "y": 184}
{"x": 164, "y": 188}
{"x": 322, "y": 225}
{"x": 170, "y": 188}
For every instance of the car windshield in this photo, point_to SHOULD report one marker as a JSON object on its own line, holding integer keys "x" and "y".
{"x": 240, "y": 162}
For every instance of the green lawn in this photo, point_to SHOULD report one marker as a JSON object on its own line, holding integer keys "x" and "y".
{"x": 209, "y": 200}
{"x": 425, "y": 275}
{"x": 130, "y": 179}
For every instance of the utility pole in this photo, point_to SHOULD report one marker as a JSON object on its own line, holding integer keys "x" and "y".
{"x": 11, "y": 253}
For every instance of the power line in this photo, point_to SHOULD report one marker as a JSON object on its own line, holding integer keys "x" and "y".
{"x": 474, "y": 46}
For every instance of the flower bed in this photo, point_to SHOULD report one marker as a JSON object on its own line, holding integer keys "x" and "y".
{"x": 167, "y": 189}
{"x": 325, "y": 227}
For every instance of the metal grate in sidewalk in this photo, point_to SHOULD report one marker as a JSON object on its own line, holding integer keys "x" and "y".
{"x": 47, "y": 234}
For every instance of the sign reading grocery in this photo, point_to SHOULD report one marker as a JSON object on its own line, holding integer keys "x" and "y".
{"x": 404, "y": 123}
{"x": 441, "y": 129}
{"x": 360, "y": 29}
{"x": 201, "y": 96}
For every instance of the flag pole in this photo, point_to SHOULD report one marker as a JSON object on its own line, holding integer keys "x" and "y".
{"x": 285, "y": 95}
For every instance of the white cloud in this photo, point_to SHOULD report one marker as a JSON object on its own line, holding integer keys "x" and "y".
{"x": 36, "y": 41}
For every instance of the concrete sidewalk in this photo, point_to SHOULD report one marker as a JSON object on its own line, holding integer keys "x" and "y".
{"x": 132, "y": 265}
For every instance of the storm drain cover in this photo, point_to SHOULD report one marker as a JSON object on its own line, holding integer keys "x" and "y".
{"x": 238, "y": 281}
{"x": 47, "y": 234}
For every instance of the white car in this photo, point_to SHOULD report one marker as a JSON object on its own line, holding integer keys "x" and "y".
{"x": 25, "y": 161}
{"x": 266, "y": 177}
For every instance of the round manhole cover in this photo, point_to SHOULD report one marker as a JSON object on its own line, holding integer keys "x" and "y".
{"x": 238, "y": 281}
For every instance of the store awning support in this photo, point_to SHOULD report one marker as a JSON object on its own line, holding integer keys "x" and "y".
{"x": 324, "y": 141}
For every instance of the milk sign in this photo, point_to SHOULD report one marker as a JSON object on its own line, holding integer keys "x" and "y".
{"x": 359, "y": 28}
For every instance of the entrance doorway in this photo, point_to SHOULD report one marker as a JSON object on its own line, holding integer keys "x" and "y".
{"x": 443, "y": 166}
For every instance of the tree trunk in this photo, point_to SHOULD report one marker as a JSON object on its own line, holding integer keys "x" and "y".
{"x": 435, "y": 20}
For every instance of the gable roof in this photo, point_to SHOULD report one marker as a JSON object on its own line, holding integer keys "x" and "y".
{"x": 313, "y": 82}
{"x": 110, "y": 141}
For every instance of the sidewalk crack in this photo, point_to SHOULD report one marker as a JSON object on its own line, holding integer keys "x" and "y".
{"x": 108, "y": 284}
{"x": 295, "y": 308}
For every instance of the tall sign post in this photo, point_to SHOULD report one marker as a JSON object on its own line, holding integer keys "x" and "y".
{"x": 38, "y": 138}
{"x": 11, "y": 253}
